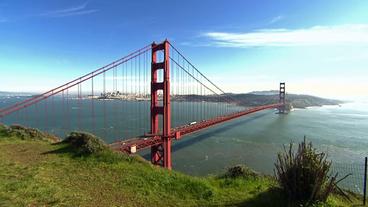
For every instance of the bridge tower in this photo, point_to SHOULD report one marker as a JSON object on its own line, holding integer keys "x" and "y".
{"x": 282, "y": 109}
{"x": 161, "y": 153}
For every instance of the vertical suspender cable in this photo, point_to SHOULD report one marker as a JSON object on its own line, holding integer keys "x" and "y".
{"x": 63, "y": 114}
{"x": 68, "y": 110}
{"x": 135, "y": 95}
{"x": 139, "y": 94}
{"x": 92, "y": 106}
{"x": 104, "y": 104}
{"x": 79, "y": 106}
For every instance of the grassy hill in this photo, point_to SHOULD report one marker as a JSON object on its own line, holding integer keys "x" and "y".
{"x": 36, "y": 170}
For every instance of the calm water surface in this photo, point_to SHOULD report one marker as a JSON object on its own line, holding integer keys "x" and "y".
{"x": 254, "y": 140}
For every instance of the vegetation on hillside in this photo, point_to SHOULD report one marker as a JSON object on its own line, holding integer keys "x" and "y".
{"x": 24, "y": 133}
{"x": 304, "y": 175}
{"x": 36, "y": 172}
{"x": 83, "y": 143}
{"x": 250, "y": 99}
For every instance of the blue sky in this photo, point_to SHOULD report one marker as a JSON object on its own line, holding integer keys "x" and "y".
{"x": 242, "y": 45}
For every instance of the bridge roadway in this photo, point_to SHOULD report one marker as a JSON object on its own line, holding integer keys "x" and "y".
{"x": 136, "y": 144}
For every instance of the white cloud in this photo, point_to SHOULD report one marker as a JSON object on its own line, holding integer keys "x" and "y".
{"x": 72, "y": 11}
{"x": 355, "y": 34}
{"x": 351, "y": 57}
{"x": 276, "y": 19}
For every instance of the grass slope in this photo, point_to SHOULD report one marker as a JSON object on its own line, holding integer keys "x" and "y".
{"x": 35, "y": 172}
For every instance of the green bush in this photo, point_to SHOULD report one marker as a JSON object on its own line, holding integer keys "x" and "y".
{"x": 3, "y": 130}
{"x": 240, "y": 171}
{"x": 304, "y": 175}
{"x": 85, "y": 143}
{"x": 26, "y": 133}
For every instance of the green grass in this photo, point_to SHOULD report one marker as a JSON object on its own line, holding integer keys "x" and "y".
{"x": 35, "y": 172}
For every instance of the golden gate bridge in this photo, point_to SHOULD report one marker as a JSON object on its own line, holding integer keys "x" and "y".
{"x": 172, "y": 99}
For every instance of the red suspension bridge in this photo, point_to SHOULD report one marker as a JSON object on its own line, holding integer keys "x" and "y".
{"x": 144, "y": 100}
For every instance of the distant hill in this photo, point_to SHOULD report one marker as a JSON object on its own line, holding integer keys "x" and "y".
{"x": 265, "y": 97}
{"x": 297, "y": 101}
{"x": 7, "y": 93}
{"x": 271, "y": 92}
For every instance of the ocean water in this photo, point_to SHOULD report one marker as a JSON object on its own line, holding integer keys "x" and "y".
{"x": 254, "y": 140}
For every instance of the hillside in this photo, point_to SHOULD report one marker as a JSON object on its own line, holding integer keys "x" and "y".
{"x": 7, "y": 94}
{"x": 298, "y": 101}
{"x": 34, "y": 171}
{"x": 263, "y": 98}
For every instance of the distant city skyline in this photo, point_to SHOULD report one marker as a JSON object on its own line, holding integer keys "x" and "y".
{"x": 317, "y": 47}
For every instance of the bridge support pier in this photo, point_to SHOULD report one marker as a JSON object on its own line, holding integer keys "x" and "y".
{"x": 161, "y": 154}
{"x": 282, "y": 109}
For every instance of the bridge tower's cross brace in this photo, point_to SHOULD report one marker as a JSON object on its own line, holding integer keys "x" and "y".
{"x": 282, "y": 108}
{"x": 161, "y": 153}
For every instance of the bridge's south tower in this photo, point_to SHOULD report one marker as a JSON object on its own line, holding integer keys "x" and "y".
{"x": 161, "y": 153}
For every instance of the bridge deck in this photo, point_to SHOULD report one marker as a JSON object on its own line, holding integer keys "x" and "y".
{"x": 137, "y": 144}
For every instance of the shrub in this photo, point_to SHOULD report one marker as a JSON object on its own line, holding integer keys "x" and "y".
{"x": 240, "y": 171}
{"x": 304, "y": 175}
{"x": 26, "y": 133}
{"x": 3, "y": 130}
{"x": 85, "y": 143}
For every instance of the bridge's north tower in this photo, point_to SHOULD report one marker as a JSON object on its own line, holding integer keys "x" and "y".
{"x": 282, "y": 109}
